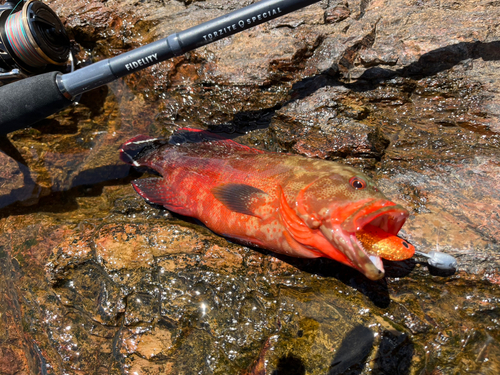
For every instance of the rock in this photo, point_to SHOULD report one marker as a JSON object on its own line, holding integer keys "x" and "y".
{"x": 12, "y": 180}
{"x": 324, "y": 125}
{"x": 194, "y": 296}
{"x": 337, "y": 13}
{"x": 96, "y": 281}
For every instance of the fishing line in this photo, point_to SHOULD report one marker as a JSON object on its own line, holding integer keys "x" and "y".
{"x": 15, "y": 7}
{"x": 22, "y": 42}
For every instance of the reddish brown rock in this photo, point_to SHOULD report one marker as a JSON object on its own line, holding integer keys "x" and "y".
{"x": 95, "y": 281}
{"x": 337, "y": 12}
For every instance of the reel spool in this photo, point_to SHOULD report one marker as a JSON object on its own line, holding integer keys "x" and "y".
{"x": 32, "y": 40}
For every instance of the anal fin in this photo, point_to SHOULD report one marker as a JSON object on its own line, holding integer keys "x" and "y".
{"x": 155, "y": 190}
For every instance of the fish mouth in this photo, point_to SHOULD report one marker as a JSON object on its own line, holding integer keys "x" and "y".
{"x": 383, "y": 214}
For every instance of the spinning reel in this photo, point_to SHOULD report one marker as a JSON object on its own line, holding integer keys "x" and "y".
{"x": 32, "y": 41}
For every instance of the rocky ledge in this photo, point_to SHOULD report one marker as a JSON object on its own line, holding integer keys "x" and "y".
{"x": 96, "y": 281}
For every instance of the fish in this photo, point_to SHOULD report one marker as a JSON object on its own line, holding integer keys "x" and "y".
{"x": 287, "y": 203}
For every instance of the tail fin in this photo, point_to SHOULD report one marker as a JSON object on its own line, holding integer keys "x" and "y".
{"x": 138, "y": 147}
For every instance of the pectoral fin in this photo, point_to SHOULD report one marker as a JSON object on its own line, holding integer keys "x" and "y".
{"x": 241, "y": 198}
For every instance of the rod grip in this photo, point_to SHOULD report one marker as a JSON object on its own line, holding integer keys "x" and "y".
{"x": 29, "y": 100}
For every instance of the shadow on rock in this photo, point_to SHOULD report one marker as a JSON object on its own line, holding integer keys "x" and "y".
{"x": 444, "y": 58}
{"x": 52, "y": 126}
{"x": 89, "y": 183}
{"x": 246, "y": 121}
{"x": 93, "y": 100}
{"x": 428, "y": 64}
{"x": 15, "y": 177}
{"x": 289, "y": 365}
{"x": 394, "y": 354}
{"x": 435, "y": 271}
{"x": 241, "y": 124}
{"x": 399, "y": 269}
{"x": 376, "y": 291}
{"x": 353, "y": 352}
{"x": 438, "y": 60}
{"x": 104, "y": 174}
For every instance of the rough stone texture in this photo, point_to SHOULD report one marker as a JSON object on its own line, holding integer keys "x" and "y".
{"x": 93, "y": 280}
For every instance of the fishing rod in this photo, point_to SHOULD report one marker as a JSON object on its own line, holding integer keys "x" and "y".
{"x": 24, "y": 102}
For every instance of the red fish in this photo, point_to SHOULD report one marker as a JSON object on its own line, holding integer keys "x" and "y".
{"x": 290, "y": 204}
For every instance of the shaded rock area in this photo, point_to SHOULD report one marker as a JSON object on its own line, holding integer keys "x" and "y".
{"x": 94, "y": 280}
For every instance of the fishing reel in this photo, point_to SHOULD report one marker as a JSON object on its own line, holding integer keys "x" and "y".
{"x": 32, "y": 41}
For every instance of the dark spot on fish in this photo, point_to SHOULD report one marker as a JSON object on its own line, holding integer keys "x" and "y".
{"x": 300, "y": 333}
{"x": 405, "y": 244}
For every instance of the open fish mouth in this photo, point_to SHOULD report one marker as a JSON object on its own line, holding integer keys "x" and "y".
{"x": 382, "y": 214}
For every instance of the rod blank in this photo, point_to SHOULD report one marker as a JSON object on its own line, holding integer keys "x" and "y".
{"x": 25, "y": 102}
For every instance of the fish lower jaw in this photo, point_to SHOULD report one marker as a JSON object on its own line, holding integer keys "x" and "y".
{"x": 369, "y": 265}
{"x": 368, "y": 262}
{"x": 372, "y": 265}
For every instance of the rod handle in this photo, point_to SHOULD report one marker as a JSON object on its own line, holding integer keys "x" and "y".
{"x": 30, "y": 100}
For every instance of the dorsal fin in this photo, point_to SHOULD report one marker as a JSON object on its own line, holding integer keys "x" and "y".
{"x": 190, "y": 135}
{"x": 241, "y": 198}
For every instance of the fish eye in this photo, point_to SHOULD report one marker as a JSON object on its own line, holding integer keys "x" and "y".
{"x": 357, "y": 183}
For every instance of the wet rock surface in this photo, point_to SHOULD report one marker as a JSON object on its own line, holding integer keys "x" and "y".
{"x": 96, "y": 281}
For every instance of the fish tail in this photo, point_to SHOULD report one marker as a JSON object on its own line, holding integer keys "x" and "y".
{"x": 142, "y": 145}
{"x": 139, "y": 147}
